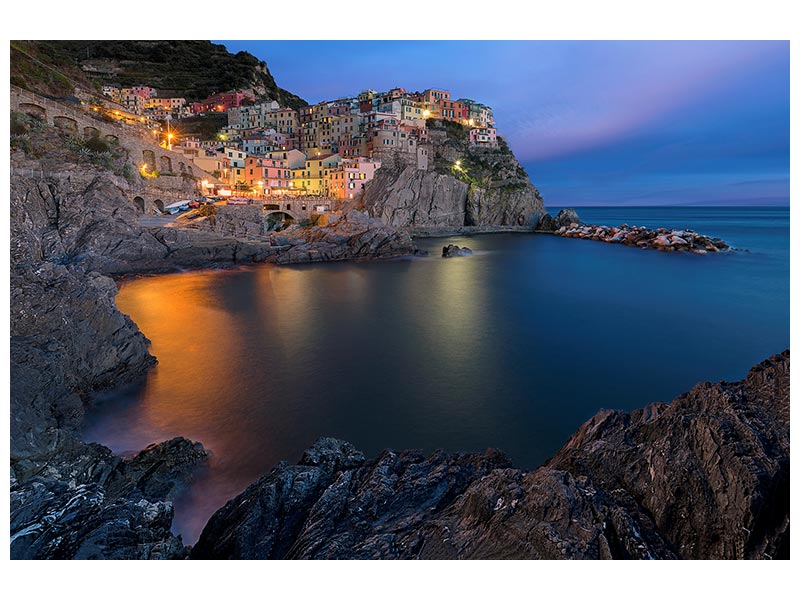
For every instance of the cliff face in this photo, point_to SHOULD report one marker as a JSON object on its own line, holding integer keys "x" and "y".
{"x": 463, "y": 187}
{"x": 704, "y": 477}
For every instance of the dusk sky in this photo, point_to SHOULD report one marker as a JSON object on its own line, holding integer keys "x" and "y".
{"x": 593, "y": 123}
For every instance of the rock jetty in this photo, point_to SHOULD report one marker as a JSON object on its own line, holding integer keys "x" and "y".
{"x": 567, "y": 224}
{"x": 665, "y": 240}
{"x": 452, "y": 250}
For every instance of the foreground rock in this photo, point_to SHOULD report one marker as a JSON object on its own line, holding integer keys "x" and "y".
{"x": 452, "y": 250}
{"x": 100, "y": 506}
{"x": 704, "y": 477}
{"x": 711, "y": 468}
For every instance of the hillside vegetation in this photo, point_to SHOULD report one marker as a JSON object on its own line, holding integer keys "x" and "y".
{"x": 191, "y": 69}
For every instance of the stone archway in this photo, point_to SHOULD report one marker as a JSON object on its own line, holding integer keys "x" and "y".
{"x": 159, "y": 205}
{"x": 275, "y": 220}
{"x": 91, "y": 132}
{"x": 138, "y": 202}
{"x": 65, "y": 123}
{"x": 112, "y": 139}
{"x": 181, "y": 167}
{"x": 33, "y": 110}
{"x": 149, "y": 159}
{"x": 165, "y": 164}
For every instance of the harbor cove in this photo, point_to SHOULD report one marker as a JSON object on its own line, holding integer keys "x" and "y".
{"x": 513, "y": 347}
{"x": 452, "y": 300}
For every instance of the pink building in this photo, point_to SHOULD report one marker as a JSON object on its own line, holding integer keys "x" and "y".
{"x": 223, "y": 102}
{"x": 483, "y": 136}
{"x": 267, "y": 175}
{"x": 348, "y": 179}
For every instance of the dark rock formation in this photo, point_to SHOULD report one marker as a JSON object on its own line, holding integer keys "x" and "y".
{"x": 98, "y": 506}
{"x": 711, "y": 468}
{"x": 452, "y": 250}
{"x": 564, "y": 218}
{"x": 704, "y": 477}
{"x": 672, "y": 240}
{"x": 340, "y": 507}
{"x": 352, "y": 237}
{"x": 67, "y": 338}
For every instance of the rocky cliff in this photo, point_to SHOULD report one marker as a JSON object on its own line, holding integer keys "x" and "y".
{"x": 463, "y": 187}
{"x": 703, "y": 477}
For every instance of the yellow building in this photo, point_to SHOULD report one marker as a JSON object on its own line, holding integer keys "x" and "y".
{"x": 412, "y": 111}
{"x": 311, "y": 179}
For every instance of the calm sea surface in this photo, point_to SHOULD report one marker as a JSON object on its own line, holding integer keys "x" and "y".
{"x": 512, "y": 348}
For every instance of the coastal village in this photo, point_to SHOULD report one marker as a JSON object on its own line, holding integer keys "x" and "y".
{"x": 327, "y": 150}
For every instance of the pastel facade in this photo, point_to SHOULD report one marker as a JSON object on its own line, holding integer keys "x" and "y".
{"x": 483, "y": 137}
{"x": 349, "y": 178}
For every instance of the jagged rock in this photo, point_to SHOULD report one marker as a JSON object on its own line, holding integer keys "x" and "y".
{"x": 711, "y": 468}
{"x": 566, "y": 217}
{"x": 329, "y": 508}
{"x": 548, "y": 223}
{"x": 704, "y": 477}
{"x": 452, "y": 250}
{"x": 158, "y": 471}
{"x": 107, "y": 508}
{"x": 353, "y": 236}
{"x": 67, "y": 338}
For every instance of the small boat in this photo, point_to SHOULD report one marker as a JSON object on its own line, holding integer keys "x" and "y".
{"x": 177, "y": 206}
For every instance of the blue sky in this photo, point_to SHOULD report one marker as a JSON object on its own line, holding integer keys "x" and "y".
{"x": 594, "y": 123}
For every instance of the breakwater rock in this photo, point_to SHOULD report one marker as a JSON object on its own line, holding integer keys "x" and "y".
{"x": 564, "y": 218}
{"x": 665, "y": 240}
{"x": 703, "y": 477}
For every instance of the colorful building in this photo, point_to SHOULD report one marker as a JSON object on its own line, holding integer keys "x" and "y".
{"x": 311, "y": 178}
{"x": 267, "y": 176}
{"x": 483, "y": 137}
{"x": 348, "y": 179}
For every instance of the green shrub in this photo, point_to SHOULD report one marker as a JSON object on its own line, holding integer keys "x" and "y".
{"x": 22, "y": 142}
{"x": 129, "y": 173}
{"x": 96, "y": 144}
